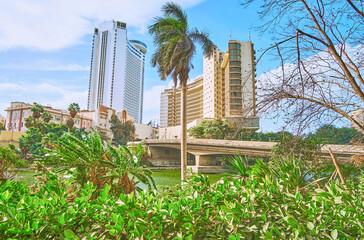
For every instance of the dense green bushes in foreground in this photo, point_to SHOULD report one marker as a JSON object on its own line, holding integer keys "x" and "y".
{"x": 267, "y": 202}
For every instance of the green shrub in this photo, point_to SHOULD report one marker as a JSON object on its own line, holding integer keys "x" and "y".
{"x": 267, "y": 204}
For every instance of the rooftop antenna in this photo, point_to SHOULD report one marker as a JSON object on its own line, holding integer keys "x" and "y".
{"x": 249, "y": 37}
{"x": 230, "y": 34}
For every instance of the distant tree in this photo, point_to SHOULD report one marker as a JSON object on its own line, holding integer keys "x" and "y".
{"x": 37, "y": 110}
{"x": 213, "y": 129}
{"x": 175, "y": 44}
{"x": 248, "y": 135}
{"x": 123, "y": 132}
{"x": 320, "y": 47}
{"x": 2, "y": 126}
{"x": 304, "y": 148}
{"x": 102, "y": 134}
{"x": 9, "y": 161}
{"x": 73, "y": 108}
{"x": 46, "y": 116}
{"x": 329, "y": 134}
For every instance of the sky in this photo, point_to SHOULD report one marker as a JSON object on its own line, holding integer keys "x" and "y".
{"x": 45, "y": 46}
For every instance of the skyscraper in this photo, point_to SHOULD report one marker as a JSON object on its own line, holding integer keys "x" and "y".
{"x": 226, "y": 90}
{"x": 117, "y": 70}
{"x": 229, "y": 82}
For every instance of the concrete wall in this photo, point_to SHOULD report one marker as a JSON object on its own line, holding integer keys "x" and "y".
{"x": 10, "y": 137}
{"x": 175, "y": 132}
{"x": 145, "y": 131}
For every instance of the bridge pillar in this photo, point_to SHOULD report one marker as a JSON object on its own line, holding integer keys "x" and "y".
{"x": 197, "y": 164}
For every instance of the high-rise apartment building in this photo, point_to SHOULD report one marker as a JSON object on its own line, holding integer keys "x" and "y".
{"x": 229, "y": 82}
{"x": 117, "y": 70}
{"x": 226, "y": 90}
{"x": 171, "y": 104}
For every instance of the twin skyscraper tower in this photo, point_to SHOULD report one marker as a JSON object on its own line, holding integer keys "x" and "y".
{"x": 117, "y": 70}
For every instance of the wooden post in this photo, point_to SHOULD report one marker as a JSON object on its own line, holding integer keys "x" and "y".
{"x": 337, "y": 167}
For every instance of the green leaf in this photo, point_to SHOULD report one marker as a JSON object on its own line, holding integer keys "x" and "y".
{"x": 69, "y": 234}
{"x": 232, "y": 237}
{"x": 61, "y": 220}
{"x": 112, "y": 232}
{"x": 114, "y": 217}
{"x": 35, "y": 226}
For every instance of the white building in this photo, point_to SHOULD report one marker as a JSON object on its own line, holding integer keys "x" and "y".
{"x": 117, "y": 70}
{"x": 145, "y": 131}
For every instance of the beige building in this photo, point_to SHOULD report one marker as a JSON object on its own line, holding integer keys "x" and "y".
{"x": 226, "y": 90}
{"x": 171, "y": 104}
{"x": 19, "y": 111}
{"x": 229, "y": 82}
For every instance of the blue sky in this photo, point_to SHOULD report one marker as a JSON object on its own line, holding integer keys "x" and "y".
{"x": 45, "y": 46}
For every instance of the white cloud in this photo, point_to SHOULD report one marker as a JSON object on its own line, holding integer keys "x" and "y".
{"x": 43, "y": 93}
{"x": 47, "y": 65}
{"x": 51, "y": 25}
{"x": 6, "y": 87}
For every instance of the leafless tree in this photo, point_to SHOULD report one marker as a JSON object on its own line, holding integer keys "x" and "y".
{"x": 320, "y": 48}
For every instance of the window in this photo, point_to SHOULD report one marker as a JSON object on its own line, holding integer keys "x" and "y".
{"x": 235, "y": 69}
{"x": 235, "y": 100}
{"x": 235, "y": 51}
{"x": 235, "y": 57}
{"x": 235, "y": 107}
{"x": 235, "y": 63}
{"x": 235, "y": 81}
{"x": 234, "y": 45}
{"x": 235, "y": 75}
{"x": 235, "y": 94}
{"x": 235, "y": 88}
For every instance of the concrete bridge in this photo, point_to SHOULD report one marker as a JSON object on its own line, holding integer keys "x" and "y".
{"x": 206, "y": 154}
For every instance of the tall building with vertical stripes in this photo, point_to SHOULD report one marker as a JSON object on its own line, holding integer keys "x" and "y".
{"x": 117, "y": 70}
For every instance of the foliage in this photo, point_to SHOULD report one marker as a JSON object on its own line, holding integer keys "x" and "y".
{"x": 329, "y": 134}
{"x": 247, "y": 135}
{"x": 239, "y": 166}
{"x": 123, "y": 132}
{"x": 268, "y": 204}
{"x": 2, "y": 126}
{"x": 74, "y": 108}
{"x": 46, "y": 116}
{"x": 102, "y": 134}
{"x": 319, "y": 45}
{"x": 213, "y": 129}
{"x": 37, "y": 110}
{"x": 9, "y": 161}
{"x": 91, "y": 160}
{"x": 306, "y": 149}
{"x": 36, "y": 138}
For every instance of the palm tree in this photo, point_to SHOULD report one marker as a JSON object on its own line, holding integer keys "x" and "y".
{"x": 175, "y": 50}
{"x": 37, "y": 112}
{"x": 73, "y": 108}
{"x": 47, "y": 117}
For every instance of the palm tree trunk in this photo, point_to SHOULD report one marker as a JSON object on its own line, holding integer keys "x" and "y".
{"x": 183, "y": 129}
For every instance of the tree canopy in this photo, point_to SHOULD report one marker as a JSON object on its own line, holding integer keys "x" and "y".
{"x": 320, "y": 47}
